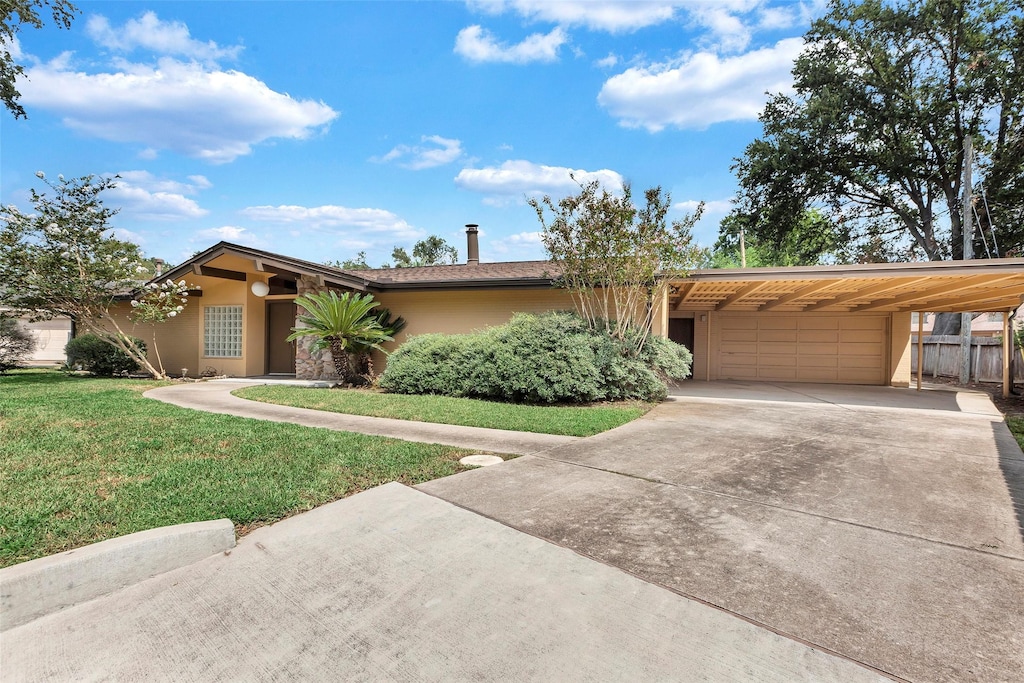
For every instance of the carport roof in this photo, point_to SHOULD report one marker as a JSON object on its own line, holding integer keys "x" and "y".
{"x": 935, "y": 286}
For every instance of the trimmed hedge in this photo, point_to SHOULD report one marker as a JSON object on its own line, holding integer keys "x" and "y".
{"x": 100, "y": 357}
{"x": 548, "y": 358}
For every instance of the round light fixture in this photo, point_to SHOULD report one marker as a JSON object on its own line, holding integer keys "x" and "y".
{"x": 260, "y": 288}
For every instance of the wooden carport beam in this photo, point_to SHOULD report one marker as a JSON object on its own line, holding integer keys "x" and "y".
{"x": 690, "y": 287}
{"x": 798, "y": 294}
{"x": 1007, "y": 353}
{"x": 977, "y": 303}
{"x": 743, "y": 291}
{"x": 948, "y": 288}
{"x": 867, "y": 291}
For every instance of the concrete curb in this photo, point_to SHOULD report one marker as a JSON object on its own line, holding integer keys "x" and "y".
{"x": 49, "y": 584}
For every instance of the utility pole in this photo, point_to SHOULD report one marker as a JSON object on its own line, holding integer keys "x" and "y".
{"x": 968, "y": 229}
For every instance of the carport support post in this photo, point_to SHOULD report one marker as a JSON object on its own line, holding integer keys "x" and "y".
{"x": 920, "y": 348}
{"x": 1007, "y": 353}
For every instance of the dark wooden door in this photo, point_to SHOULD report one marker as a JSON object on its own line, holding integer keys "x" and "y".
{"x": 680, "y": 330}
{"x": 280, "y": 353}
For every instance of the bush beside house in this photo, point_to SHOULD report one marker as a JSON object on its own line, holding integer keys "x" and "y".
{"x": 549, "y": 358}
{"x": 98, "y": 356}
{"x": 16, "y": 344}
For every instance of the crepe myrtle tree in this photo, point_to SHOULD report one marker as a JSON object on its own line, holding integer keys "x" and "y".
{"x": 63, "y": 260}
{"x": 616, "y": 259}
{"x": 158, "y": 302}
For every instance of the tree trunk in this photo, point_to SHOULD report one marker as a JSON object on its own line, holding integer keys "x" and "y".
{"x": 342, "y": 366}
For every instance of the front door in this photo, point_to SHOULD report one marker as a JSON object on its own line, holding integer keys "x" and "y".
{"x": 680, "y": 330}
{"x": 280, "y": 353}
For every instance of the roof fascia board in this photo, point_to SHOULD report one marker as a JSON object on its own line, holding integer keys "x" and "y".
{"x": 862, "y": 270}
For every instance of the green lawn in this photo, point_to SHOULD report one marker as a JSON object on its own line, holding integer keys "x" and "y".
{"x": 82, "y": 460}
{"x": 565, "y": 420}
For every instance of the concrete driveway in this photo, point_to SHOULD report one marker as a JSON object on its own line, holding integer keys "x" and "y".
{"x": 881, "y": 524}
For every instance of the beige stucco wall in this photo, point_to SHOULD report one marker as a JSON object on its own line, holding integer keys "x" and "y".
{"x": 462, "y": 311}
{"x": 180, "y": 340}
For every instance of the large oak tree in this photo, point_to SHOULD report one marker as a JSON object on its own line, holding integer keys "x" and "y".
{"x": 885, "y": 94}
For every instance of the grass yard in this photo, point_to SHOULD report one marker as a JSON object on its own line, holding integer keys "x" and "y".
{"x": 1016, "y": 425}
{"x": 83, "y": 460}
{"x": 469, "y": 412}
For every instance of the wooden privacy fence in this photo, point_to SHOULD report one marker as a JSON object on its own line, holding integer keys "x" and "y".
{"x": 942, "y": 358}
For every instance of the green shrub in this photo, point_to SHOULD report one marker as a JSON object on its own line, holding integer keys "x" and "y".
{"x": 100, "y": 357}
{"x": 16, "y": 344}
{"x": 549, "y": 358}
{"x": 538, "y": 359}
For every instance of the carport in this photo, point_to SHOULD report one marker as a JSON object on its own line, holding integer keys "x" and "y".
{"x": 830, "y": 324}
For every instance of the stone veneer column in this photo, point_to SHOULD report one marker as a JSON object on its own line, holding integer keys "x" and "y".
{"x": 311, "y": 364}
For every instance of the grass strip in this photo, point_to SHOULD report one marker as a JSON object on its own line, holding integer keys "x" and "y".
{"x": 83, "y": 460}
{"x": 563, "y": 420}
{"x": 1016, "y": 425}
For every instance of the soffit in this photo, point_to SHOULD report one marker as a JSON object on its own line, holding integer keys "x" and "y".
{"x": 991, "y": 285}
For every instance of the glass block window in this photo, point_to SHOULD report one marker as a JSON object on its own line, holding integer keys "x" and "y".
{"x": 222, "y": 332}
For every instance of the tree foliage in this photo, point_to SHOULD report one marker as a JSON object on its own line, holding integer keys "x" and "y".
{"x": 814, "y": 240}
{"x": 346, "y": 325}
{"x": 357, "y": 263}
{"x": 63, "y": 260}
{"x": 885, "y": 93}
{"x": 615, "y": 258}
{"x": 13, "y": 15}
{"x": 432, "y": 251}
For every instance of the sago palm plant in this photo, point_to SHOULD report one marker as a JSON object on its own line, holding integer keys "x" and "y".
{"x": 345, "y": 324}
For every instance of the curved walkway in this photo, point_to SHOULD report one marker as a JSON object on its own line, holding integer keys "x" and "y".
{"x": 216, "y": 397}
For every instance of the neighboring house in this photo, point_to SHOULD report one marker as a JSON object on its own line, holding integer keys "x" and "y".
{"x": 51, "y": 337}
{"x": 840, "y": 324}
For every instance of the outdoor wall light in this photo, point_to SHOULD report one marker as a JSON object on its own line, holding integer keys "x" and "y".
{"x": 260, "y": 288}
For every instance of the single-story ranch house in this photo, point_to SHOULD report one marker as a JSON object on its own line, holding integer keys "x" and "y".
{"x": 837, "y": 324}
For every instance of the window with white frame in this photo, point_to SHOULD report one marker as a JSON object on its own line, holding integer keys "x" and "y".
{"x": 222, "y": 331}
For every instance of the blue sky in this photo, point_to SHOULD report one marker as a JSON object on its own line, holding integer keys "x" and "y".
{"x": 321, "y": 129}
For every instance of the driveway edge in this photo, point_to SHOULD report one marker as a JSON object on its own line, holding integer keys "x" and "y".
{"x": 39, "y": 587}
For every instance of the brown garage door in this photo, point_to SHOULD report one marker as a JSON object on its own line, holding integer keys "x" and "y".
{"x": 842, "y": 349}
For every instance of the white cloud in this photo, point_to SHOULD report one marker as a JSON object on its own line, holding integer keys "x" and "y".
{"x": 331, "y": 216}
{"x": 612, "y": 16}
{"x": 142, "y": 196}
{"x": 706, "y": 229}
{"x": 150, "y": 33}
{"x": 518, "y": 178}
{"x": 478, "y": 45}
{"x": 518, "y": 247}
{"x": 729, "y": 23}
{"x": 187, "y": 108}
{"x": 607, "y": 62}
{"x": 228, "y": 233}
{"x": 701, "y": 89}
{"x": 437, "y": 152}
{"x": 713, "y": 207}
{"x": 12, "y": 46}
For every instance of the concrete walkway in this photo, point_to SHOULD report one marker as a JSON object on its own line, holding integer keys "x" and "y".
{"x": 395, "y": 585}
{"x": 216, "y": 397}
